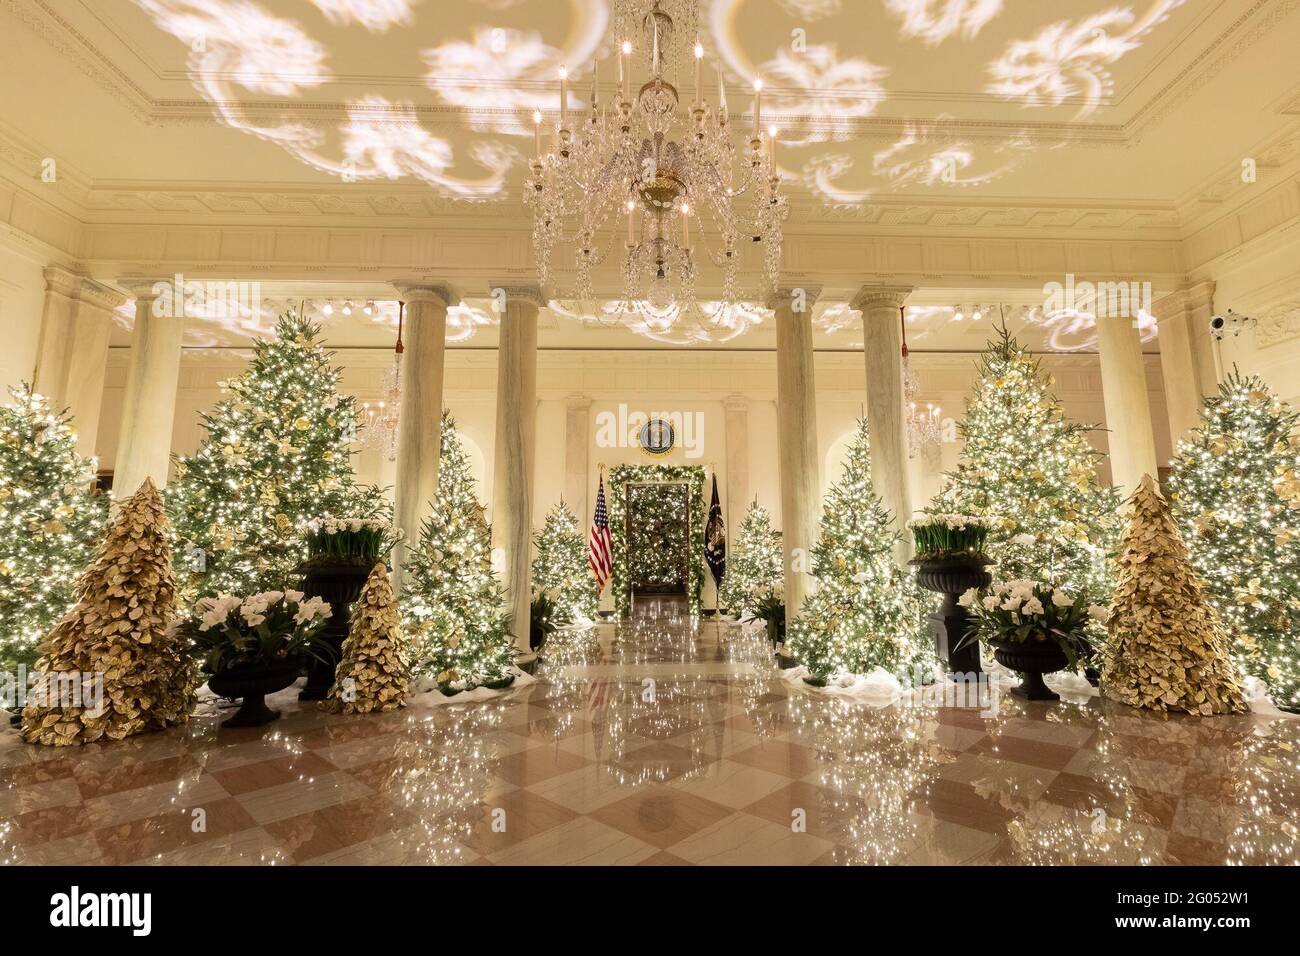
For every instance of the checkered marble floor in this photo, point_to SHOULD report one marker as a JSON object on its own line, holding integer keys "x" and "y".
{"x": 663, "y": 741}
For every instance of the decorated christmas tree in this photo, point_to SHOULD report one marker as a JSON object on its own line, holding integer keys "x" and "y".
{"x": 865, "y": 613}
{"x": 454, "y": 605}
{"x": 276, "y": 455}
{"x": 1235, "y": 491}
{"x": 1025, "y": 463}
{"x": 50, "y": 522}
{"x": 372, "y": 674}
{"x": 1167, "y": 649}
{"x": 114, "y": 666}
{"x": 560, "y": 565}
{"x": 753, "y": 563}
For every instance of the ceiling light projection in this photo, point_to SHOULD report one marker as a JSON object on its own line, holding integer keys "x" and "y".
{"x": 238, "y": 48}
{"x": 376, "y": 16}
{"x": 664, "y": 325}
{"x": 933, "y": 21}
{"x": 1068, "y": 60}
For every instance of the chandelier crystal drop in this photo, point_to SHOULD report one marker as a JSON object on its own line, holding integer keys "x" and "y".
{"x": 655, "y": 186}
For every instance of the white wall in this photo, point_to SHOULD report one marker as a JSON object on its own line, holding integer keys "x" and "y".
{"x": 22, "y": 300}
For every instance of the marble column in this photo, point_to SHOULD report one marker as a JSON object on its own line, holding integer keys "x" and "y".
{"x": 736, "y": 410}
{"x": 144, "y": 440}
{"x": 419, "y": 425}
{"x": 1183, "y": 320}
{"x": 73, "y": 352}
{"x": 883, "y": 348}
{"x": 577, "y": 441}
{"x": 1128, "y": 408}
{"x": 796, "y": 420}
{"x": 513, "y": 467}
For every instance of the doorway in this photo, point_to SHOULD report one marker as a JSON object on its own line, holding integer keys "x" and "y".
{"x": 658, "y": 539}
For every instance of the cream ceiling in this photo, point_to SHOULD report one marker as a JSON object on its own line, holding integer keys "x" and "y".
{"x": 1135, "y": 113}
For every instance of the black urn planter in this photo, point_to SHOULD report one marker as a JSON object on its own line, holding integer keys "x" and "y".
{"x": 252, "y": 683}
{"x": 340, "y": 585}
{"x": 1032, "y": 659}
{"x": 953, "y": 576}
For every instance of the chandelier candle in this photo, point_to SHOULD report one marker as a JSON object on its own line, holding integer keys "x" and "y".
{"x": 564, "y": 97}
{"x": 758, "y": 105}
{"x": 699, "y": 60}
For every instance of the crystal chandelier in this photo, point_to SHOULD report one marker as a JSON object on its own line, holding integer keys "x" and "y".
{"x": 691, "y": 198}
{"x": 923, "y": 427}
{"x": 377, "y": 423}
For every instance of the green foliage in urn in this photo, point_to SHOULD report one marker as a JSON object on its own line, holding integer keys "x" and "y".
{"x": 950, "y": 535}
{"x": 349, "y": 540}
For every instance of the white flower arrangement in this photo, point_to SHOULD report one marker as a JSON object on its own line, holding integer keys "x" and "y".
{"x": 1020, "y": 611}
{"x": 332, "y": 525}
{"x": 214, "y": 611}
{"x": 230, "y": 631}
{"x": 953, "y": 521}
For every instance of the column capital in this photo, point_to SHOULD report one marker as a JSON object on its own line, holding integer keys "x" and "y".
{"x": 101, "y": 296}
{"x": 74, "y": 285}
{"x": 879, "y": 296}
{"x": 577, "y": 402}
{"x": 1200, "y": 295}
{"x": 736, "y": 403}
{"x": 1170, "y": 306}
{"x": 438, "y": 293}
{"x": 142, "y": 287}
{"x": 787, "y": 295}
{"x": 60, "y": 280}
{"x": 529, "y": 292}
{"x": 1195, "y": 297}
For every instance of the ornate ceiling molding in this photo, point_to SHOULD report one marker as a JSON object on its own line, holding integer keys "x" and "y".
{"x": 1245, "y": 31}
{"x": 1279, "y": 323}
{"x": 42, "y": 19}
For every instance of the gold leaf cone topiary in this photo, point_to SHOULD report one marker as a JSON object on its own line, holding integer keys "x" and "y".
{"x": 122, "y": 630}
{"x": 374, "y": 655}
{"x": 1166, "y": 648}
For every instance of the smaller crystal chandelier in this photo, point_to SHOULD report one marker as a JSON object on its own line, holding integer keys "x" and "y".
{"x": 923, "y": 427}
{"x": 377, "y": 427}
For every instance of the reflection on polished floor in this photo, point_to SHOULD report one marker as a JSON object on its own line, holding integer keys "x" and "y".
{"x": 667, "y": 741}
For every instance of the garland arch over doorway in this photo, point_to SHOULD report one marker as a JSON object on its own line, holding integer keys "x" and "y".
{"x": 619, "y": 477}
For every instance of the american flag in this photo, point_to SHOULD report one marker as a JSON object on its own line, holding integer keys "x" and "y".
{"x": 600, "y": 547}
